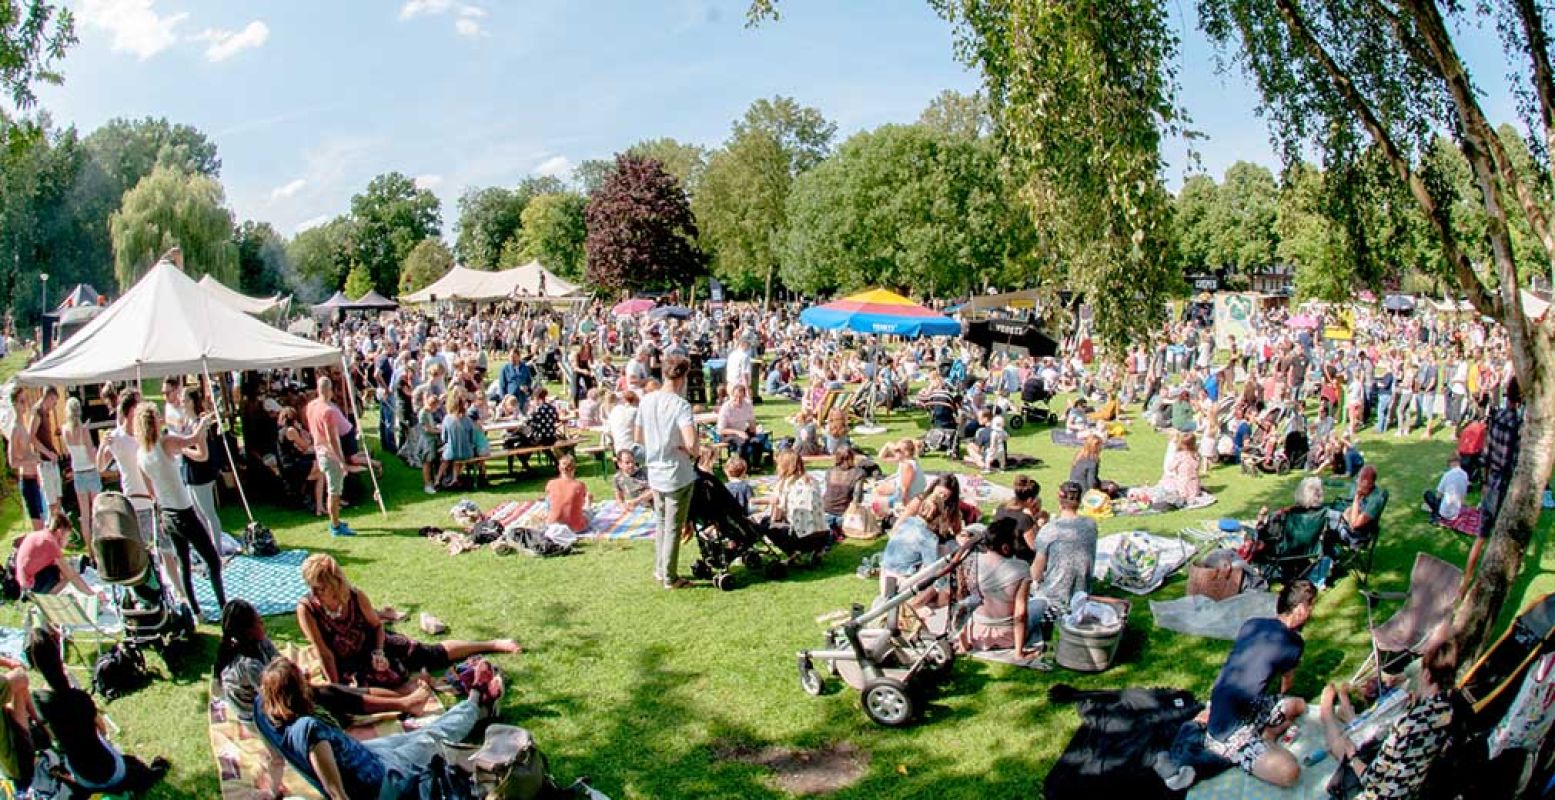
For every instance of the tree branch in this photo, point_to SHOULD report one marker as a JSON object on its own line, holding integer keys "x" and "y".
{"x": 1543, "y": 80}
{"x": 1457, "y": 260}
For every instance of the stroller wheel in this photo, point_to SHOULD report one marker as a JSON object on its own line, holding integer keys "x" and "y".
{"x": 776, "y": 570}
{"x": 887, "y": 702}
{"x": 939, "y": 659}
{"x": 724, "y": 582}
{"x": 1281, "y": 464}
{"x": 809, "y": 680}
{"x": 700, "y": 570}
{"x": 1016, "y": 421}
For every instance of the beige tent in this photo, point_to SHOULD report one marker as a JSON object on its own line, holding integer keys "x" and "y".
{"x": 240, "y": 301}
{"x": 528, "y": 281}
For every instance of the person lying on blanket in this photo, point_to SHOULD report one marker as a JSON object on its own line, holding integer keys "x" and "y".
{"x": 245, "y": 650}
{"x": 353, "y": 646}
{"x": 79, "y": 731}
{"x": 343, "y": 768}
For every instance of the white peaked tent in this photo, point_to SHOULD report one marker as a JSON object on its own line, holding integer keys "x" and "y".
{"x": 528, "y": 281}
{"x": 240, "y": 301}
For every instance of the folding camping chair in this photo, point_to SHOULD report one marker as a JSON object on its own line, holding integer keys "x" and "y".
{"x": 1433, "y": 589}
{"x": 1295, "y": 543}
{"x": 1352, "y": 554}
{"x": 78, "y": 623}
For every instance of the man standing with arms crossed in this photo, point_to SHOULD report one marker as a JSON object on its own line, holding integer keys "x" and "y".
{"x": 667, "y": 432}
{"x": 326, "y": 424}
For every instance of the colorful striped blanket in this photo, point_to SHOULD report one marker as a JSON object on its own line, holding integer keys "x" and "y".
{"x": 607, "y": 520}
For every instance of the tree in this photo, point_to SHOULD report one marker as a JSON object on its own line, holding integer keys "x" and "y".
{"x": 263, "y": 267}
{"x": 428, "y": 261}
{"x": 957, "y": 114}
{"x": 167, "y": 209}
{"x": 640, "y": 229}
{"x": 33, "y": 35}
{"x": 320, "y": 258}
{"x": 359, "y": 282}
{"x": 741, "y": 204}
{"x": 902, "y": 206}
{"x": 389, "y": 219}
{"x": 554, "y": 232}
{"x": 685, "y": 161}
{"x": 590, "y": 173}
{"x": 129, "y": 150}
{"x": 1241, "y": 225}
{"x": 489, "y": 217}
{"x": 1194, "y": 216}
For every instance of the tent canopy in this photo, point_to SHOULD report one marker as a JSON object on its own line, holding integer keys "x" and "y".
{"x": 880, "y": 311}
{"x": 336, "y": 302}
{"x": 1021, "y": 300}
{"x": 168, "y": 325}
{"x": 81, "y": 295}
{"x": 238, "y": 300}
{"x": 528, "y": 281}
{"x": 372, "y": 301}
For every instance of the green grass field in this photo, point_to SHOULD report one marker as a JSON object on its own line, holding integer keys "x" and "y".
{"x": 648, "y": 691}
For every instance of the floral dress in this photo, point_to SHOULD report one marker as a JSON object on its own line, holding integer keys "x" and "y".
{"x": 422, "y": 446}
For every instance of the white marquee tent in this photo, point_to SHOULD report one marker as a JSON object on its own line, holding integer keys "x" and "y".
{"x": 240, "y": 301}
{"x": 528, "y": 281}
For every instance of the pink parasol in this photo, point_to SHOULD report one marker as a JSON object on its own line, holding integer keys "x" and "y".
{"x": 1306, "y": 321}
{"x": 636, "y": 305}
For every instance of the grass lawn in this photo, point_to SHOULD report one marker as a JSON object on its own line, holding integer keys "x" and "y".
{"x": 646, "y": 691}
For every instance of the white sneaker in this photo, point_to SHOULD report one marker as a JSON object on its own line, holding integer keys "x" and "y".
{"x": 428, "y": 489}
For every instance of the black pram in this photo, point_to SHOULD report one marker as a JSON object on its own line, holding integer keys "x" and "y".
{"x": 1035, "y": 398}
{"x": 725, "y": 534}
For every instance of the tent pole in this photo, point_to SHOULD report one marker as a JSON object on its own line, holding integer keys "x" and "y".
{"x": 210, "y": 388}
{"x": 345, "y": 375}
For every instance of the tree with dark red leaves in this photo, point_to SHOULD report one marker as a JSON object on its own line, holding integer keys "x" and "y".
{"x": 641, "y": 233}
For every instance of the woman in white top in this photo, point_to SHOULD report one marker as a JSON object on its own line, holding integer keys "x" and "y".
{"x": 622, "y": 422}
{"x": 156, "y": 457}
{"x": 83, "y": 466}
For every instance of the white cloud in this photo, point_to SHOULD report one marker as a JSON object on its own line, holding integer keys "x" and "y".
{"x": 136, "y": 26}
{"x": 311, "y": 222}
{"x": 467, "y": 26}
{"x": 225, "y": 44}
{"x": 468, "y": 18}
{"x": 288, "y": 190}
{"x": 428, "y": 181}
{"x": 554, "y": 167}
{"x": 416, "y": 8}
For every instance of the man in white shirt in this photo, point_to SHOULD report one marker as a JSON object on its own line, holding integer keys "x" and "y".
{"x": 667, "y": 432}
{"x": 1446, "y": 500}
{"x": 737, "y": 371}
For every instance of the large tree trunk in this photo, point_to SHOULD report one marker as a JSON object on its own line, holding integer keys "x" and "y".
{"x": 1514, "y": 526}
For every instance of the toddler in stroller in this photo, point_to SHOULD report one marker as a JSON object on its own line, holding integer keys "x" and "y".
{"x": 1035, "y": 409}
{"x": 725, "y": 534}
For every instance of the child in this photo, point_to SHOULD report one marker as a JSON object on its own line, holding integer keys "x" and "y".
{"x": 588, "y": 410}
{"x": 807, "y": 439}
{"x": 631, "y": 483}
{"x": 837, "y": 431}
{"x": 736, "y": 468}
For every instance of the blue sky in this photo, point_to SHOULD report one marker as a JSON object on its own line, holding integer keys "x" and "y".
{"x": 309, "y": 99}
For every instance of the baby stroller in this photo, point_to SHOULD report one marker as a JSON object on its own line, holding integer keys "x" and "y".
{"x": 1269, "y": 451}
{"x": 724, "y": 535}
{"x": 893, "y": 669}
{"x": 1035, "y": 398}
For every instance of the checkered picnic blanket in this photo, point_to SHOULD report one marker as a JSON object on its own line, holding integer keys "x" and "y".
{"x": 607, "y": 520}
{"x": 274, "y": 584}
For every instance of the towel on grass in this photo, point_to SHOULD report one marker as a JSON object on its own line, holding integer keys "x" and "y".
{"x": 1235, "y": 784}
{"x": 273, "y": 584}
{"x": 1008, "y": 657}
{"x": 1467, "y": 522}
{"x": 1141, "y": 507}
{"x": 1198, "y": 615}
{"x": 1064, "y": 438}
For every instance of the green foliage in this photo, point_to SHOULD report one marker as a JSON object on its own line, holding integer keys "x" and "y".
{"x": 685, "y": 161}
{"x": 491, "y": 216}
{"x": 170, "y": 208}
{"x": 1195, "y": 208}
{"x": 33, "y": 35}
{"x": 389, "y": 219}
{"x": 1229, "y": 225}
{"x": 430, "y": 260}
{"x": 263, "y": 267}
{"x": 741, "y": 203}
{"x": 1083, "y": 92}
{"x": 554, "y": 233}
{"x": 902, "y": 206}
{"x": 590, "y": 173}
{"x": 320, "y": 257}
{"x": 358, "y": 282}
{"x": 641, "y": 233}
{"x": 957, "y": 114}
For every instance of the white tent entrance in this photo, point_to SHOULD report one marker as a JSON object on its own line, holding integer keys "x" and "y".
{"x": 167, "y": 325}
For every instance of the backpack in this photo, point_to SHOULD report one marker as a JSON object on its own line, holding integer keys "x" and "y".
{"x": 509, "y": 766}
{"x": 10, "y": 588}
{"x": 259, "y": 541}
{"x": 119, "y": 671}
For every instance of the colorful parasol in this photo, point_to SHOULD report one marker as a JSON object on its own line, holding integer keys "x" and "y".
{"x": 636, "y": 305}
{"x": 880, "y": 311}
{"x": 1302, "y": 321}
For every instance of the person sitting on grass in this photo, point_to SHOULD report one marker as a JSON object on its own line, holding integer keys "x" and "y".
{"x": 1180, "y": 482}
{"x": 245, "y": 650}
{"x": 567, "y": 497}
{"x": 17, "y": 749}
{"x": 807, "y": 435}
{"x": 631, "y": 483}
{"x": 1446, "y": 500}
{"x": 796, "y": 499}
{"x": 1064, "y": 555}
{"x": 352, "y": 644}
{"x": 1007, "y": 615}
{"x": 841, "y": 488}
{"x": 837, "y": 431}
{"x": 740, "y": 489}
{"x": 41, "y": 565}
{"x": 915, "y": 542}
{"x": 1401, "y": 763}
{"x": 341, "y": 767}
{"x": 1026, "y": 509}
{"x": 909, "y": 480}
{"x": 1245, "y": 719}
{"x": 80, "y": 732}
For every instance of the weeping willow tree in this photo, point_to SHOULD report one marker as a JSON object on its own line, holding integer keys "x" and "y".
{"x": 1084, "y": 91}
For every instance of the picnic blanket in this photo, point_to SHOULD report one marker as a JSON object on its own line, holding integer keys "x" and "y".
{"x": 274, "y": 584}
{"x": 1064, "y": 438}
{"x": 1139, "y": 505}
{"x": 974, "y": 487}
{"x": 1171, "y": 555}
{"x": 1467, "y": 522}
{"x": 607, "y": 520}
{"x": 1120, "y": 733}
{"x": 1198, "y": 615}
{"x": 13, "y": 641}
{"x": 241, "y": 756}
{"x": 1007, "y": 656}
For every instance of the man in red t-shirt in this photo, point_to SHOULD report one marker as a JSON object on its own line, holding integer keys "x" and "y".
{"x": 326, "y": 424}
{"x": 567, "y": 497}
{"x": 41, "y": 566}
{"x": 1471, "y": 446}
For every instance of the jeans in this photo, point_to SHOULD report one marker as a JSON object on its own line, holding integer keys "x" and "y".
{"x": 205, "y": 508}
{"x": 405, "y": 755}
{"x": 1036, "y": 612}
{"x": 386, "y": 427}
{"x": 1384, "y": 406}
{"x": 670, "y": 511}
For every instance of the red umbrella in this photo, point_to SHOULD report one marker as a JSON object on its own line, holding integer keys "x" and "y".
{"x": 636, "y": 305}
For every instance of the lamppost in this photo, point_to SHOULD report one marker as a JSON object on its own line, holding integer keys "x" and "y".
{"x": 43, "y": 292}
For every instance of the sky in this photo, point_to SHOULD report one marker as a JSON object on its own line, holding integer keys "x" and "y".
{"x": 307, "y": 100}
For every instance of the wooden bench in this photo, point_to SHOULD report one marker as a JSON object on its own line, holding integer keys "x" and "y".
{"x": 545, "y": 452}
